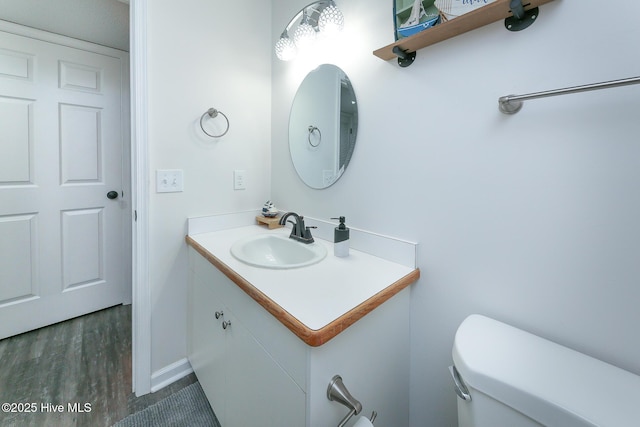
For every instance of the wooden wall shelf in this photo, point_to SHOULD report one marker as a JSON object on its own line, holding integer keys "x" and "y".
{"x": 488, "y": 14}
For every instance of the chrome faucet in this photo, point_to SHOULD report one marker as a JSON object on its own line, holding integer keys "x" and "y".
{"x": 298, "y": 232}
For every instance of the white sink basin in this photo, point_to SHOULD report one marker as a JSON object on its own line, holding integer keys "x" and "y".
{"x": 273, "y": 251}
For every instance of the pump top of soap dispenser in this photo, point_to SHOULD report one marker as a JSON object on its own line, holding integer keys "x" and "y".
{"x": 341, "y": 232}
{"x": 342, "y": 226}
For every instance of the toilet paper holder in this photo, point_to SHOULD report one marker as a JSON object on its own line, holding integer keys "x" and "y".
{"x": 338, "y": 392}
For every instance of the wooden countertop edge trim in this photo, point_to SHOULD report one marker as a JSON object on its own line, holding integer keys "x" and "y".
{"x": 312, "y": 337}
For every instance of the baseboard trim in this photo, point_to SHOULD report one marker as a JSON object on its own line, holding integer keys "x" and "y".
{"x": 170, "y": 374}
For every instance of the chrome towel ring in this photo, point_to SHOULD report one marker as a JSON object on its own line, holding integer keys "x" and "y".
{"x": 213, "y": 113}
{"x": 312, "y": 130}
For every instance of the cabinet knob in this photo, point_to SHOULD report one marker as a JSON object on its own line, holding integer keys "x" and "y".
{"x": 219, "y": 314}
{"x": 226, "y": 324}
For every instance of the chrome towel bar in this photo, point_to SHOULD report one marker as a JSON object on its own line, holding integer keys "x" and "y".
{"x": 511, "y": 104}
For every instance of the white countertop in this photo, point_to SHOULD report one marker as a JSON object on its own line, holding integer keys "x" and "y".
{"x": 318, "y": 294}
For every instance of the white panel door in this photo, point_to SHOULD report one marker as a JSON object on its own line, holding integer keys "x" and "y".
{"x": 61, "y": 152}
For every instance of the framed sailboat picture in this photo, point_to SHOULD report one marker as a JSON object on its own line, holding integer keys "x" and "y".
{"x": 413, "y": 16}
{"x": 451, "y": 9}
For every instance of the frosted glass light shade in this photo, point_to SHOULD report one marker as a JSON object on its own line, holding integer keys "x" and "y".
{"x": 331, "y": 20}
{"x": 304, "y": 36}
{"x": 285, "y": 49}
{"x": 320, "y": 18}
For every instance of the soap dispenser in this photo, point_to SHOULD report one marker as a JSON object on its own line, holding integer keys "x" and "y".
{"x": 341, "y": 239}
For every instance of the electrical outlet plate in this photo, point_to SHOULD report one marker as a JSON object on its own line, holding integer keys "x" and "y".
{"x": 169, "y": 180}
{"x": 239, "y": 181}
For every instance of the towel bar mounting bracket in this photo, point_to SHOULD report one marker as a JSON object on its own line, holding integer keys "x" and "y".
{"x": 521, "y": 18}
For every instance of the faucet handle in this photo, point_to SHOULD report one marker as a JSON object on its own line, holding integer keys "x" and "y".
{"x": 307, "y": 233}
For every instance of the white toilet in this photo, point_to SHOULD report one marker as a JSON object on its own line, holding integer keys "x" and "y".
{"x": 506, "y": 377}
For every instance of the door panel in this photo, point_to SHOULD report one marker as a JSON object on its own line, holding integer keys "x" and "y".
{"x": 17, "y": 65}
{"x": 61, "y": 152}
{"x": 17, "y": 272}
{"x": 82, "y": 260}
{"x": 80, "y": 145}
{"x": 80, "y": 77}
{"x": 15, "y": 151}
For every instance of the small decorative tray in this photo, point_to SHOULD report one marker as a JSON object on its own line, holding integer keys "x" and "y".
{"x": 269, "y": 222}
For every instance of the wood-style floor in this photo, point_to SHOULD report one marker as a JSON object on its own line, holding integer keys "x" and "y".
{"x": 83, "y": 364}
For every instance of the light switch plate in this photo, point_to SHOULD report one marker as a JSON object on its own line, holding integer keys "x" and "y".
{"x": 169, "y": 180}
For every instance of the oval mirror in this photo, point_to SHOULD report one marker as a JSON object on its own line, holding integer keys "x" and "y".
{"x": 323, "y": 125}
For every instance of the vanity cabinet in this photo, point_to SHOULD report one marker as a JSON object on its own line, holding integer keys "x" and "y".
{"x": 243, "y": 383}
{"x": 257, "y": 373}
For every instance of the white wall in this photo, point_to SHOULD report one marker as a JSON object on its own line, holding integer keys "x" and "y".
{"x": 202, "y": 54}
{"x": 531, "y": 219}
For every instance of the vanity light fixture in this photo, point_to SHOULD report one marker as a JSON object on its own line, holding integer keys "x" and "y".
{"x": 321, "y": 16}
{"x": 285, "y": 47}
{"x": 305, "y": 34}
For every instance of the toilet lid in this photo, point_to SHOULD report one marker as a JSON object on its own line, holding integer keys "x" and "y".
{"x": 552, "y": 384}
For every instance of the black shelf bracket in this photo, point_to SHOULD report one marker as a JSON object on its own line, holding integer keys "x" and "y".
{"x": 404, "y": 58}
{"x": 521, "y": 18}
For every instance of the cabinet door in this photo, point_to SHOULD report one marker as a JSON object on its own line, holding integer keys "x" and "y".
{"x": 259, "y": 392}
{"x": 207, "y": 343}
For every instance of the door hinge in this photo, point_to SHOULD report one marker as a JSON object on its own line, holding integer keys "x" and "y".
{"x": 135, "y": 216}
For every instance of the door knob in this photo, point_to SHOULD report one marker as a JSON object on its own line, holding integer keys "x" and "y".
{"x": 112, "y": 195}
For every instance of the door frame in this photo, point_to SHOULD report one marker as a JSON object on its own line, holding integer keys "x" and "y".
{"x": 141, "y": 288}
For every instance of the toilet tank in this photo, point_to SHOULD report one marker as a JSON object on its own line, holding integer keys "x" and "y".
{"x": 518, "y": 379}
